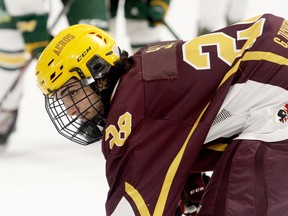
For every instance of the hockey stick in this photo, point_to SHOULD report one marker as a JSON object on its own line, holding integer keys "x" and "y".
{"x": 18, "y": 78}
{"x": 171, "y": 30}
{"x": 22, "y": 70}
{"x": 64, "y": 11}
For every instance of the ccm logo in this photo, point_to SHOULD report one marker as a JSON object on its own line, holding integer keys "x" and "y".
{"x": 84, "y": 54}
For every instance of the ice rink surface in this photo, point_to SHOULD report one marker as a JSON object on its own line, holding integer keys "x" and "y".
{"x": 42, "y": 173}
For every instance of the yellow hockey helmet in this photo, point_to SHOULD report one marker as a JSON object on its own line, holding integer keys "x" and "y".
{"x": 79, "y": 51}
{"x": 80, "y": 54}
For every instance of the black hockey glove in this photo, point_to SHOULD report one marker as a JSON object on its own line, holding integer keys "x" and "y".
{"x": 156, "y": 12}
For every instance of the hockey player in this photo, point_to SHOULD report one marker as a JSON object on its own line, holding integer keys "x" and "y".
{"x": 163, "y": 112}
{"x": 13, "y": 59}
{"x": 89, "y": 12}
{"x": 218, "y": 14}
{"x": 24, "y": 29}
{"x": 143, "y": 20}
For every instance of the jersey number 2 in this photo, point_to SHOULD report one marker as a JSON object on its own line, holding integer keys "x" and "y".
{"x": 226, "y": 45}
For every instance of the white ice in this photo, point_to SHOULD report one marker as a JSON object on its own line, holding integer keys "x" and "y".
{"x": 42, "y": 173}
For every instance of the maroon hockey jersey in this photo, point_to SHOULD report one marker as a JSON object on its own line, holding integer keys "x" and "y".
{"x": 170, "y": 102}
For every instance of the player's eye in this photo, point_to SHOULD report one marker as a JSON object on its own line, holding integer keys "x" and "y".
{"x": 73, "y": 93}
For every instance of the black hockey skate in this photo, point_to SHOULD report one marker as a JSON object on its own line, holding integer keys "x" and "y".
{"x": 7, "y": 125}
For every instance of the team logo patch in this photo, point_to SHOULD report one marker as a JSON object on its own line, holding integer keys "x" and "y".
{"x": 282, "y": 114}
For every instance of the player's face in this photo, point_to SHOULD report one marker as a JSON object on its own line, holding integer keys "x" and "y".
{"x": 80, "y": 101}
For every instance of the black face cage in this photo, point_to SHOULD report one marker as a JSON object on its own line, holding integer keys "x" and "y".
{"x": 76, "y": 128}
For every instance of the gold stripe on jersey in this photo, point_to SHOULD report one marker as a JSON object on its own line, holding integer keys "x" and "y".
{"x": 173, "y": 169}
{"x": 267, "y": 56}
{"x": 10, "y": 61}
{"x": 137, "y": 198}
{"x": 30, "y": 47}
{"x": 176, "y": 162}
{"x": 218, "y": 147}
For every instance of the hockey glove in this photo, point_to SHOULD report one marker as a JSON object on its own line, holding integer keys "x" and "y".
{"x": 156, "y": 12}
{"x": 193, "y": 192}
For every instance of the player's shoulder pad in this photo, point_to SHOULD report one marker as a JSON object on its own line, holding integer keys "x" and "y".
{"x": 159, "y": 61}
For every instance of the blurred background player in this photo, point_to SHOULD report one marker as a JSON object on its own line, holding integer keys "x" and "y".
{"x": 24, "y": 29}
{"x": 143, "y": 20}
{"x": 12, "y": 61}
{"x": 218, "y": 14}
{"x": 88, "y": 11}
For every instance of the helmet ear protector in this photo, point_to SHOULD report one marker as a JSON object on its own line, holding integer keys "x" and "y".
{"x": 98, "y": 67}
{"x": 85, "y": 54}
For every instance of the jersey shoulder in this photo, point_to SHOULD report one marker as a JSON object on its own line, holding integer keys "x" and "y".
{"x": 159, "y": 60}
